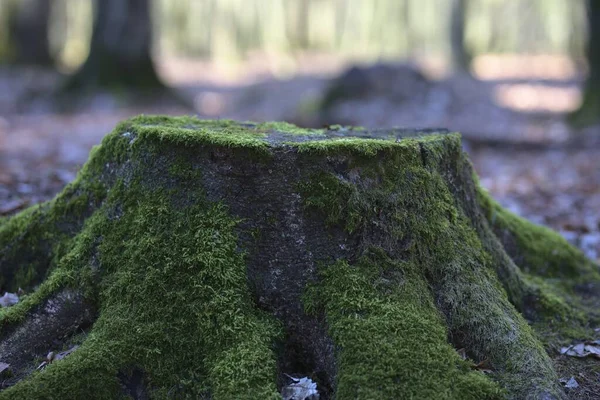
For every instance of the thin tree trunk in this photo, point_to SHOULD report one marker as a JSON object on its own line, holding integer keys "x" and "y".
{"x": 30, "y": 32}
{"x": 304, "y": 24}
{"x": 120, "y": 51}
{"x": 461, "y": 59}
{"x": 589, "y": 111}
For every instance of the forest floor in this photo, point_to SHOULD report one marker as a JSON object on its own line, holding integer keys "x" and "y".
{"x": 514, "y": 129}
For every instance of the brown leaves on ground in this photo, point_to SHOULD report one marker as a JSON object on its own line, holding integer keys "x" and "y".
{"x": 300, "y": 389}
{"x": 482, "y": 366}
{"x": 584, "y": 349}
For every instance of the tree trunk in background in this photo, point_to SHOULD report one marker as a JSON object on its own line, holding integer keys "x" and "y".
{"x": 589, "y": 111}
{"x": 26, "y": 33}
{"x": 29, "y": 31}
{"x": 214, "y": 259}
{"x": 299, "y": 29}
{"x": 120, "y": 51}
{"x": 6, "y": 46}
{"x": 461, "y": 59}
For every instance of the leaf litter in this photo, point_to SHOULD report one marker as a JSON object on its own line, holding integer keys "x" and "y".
{"x": 584, "y": 349}
{"x": 300, "y": 389}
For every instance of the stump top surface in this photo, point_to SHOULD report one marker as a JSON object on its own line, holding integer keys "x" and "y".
{"x": 189, "y": 130}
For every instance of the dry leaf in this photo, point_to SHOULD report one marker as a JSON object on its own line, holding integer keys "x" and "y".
{"x": 484, "y": 366}
{"x": 585, "y": 349}
{"x": 52, "y": 356}
{"x": 3, "y": 366}
{"x": 300, "y": 389}
{"x": 65, "y": 353}
{"x": 9, "y": 299}
{"x": 570, "y": 383}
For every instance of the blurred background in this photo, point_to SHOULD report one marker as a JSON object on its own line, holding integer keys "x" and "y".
{"x": 518, "y": 78}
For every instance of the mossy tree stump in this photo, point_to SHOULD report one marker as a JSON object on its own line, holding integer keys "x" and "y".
{"x": 208, "y": 259}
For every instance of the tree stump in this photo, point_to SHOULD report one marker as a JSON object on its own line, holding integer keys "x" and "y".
{"x": 216, "y": 259}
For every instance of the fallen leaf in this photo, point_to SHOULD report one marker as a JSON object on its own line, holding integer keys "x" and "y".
{"x": 65, "y": 353}
{"x": 484, "y": 366}
{"x": 585, "y": 349}
{"x": 52, "y": 356}
{"x": 3, "y": 366}
{"x": 300, "y": 389}
{"x": 570, "y": 383}
{"x": 9, "y": 299}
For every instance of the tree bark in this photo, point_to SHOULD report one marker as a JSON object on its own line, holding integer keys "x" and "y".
{"x": 461, "y": 59}
{"x": 589, "y": 111}
{"x": 120, "y": 50}
{"x": 213, "y": 259}
{"x": 29, "y": 33}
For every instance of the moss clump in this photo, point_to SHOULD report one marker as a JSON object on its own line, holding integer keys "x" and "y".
{"x": 382, "y": 317}
{"x": 188, "y": 335}
{"x": 170, "y": 286}
{"x": 287, "y": 128}
{"x": 45, "y": 234}
{"x": 556, "y": 272}
{"x": 390, "y": 194}
{"x": 536, "y": 249}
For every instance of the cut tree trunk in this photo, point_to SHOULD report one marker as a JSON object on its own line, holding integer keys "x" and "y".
{"x": 215, "y": 259}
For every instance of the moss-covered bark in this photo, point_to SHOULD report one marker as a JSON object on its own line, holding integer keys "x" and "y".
{"x": 207, "y": 259}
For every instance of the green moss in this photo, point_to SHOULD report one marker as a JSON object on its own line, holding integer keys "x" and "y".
{"x": 367, "y": 147}
{"x": 395, "y": 192}
{"x": 45, "y": 230}
{"x": 382, "y": 317}
{"x": 323, "y": 191}
{"x": 553, "y": 271}
{"x": 538, "y": 250}
{"x": 285, "y": 127}
{"x": 15, "y": 314}
{"x": 177, "y": 122}
{"x": 169, "y": 282}
{"x": 162, "y": 265}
